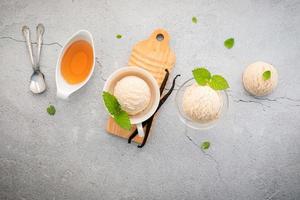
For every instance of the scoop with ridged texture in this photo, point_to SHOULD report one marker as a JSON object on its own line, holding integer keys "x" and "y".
{"x": 253, "y": 79}
{"x": 133, "y": 94}
{"x": 201, "y": 103}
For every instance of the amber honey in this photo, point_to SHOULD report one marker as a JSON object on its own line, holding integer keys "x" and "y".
{"x": 77, "y": 62}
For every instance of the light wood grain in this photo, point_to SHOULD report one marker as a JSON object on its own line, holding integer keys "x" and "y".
{"x": 154, "y": 56}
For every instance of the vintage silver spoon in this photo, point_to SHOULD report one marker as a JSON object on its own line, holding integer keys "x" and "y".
{"x": 37, "y": 80}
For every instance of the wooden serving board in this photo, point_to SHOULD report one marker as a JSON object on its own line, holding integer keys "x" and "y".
{"x": 153, "y": 55}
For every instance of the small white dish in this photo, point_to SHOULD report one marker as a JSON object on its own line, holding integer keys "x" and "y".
{"x": 139, "y": 118}
{"x": 192, "y": 123}
{"x": 64, "y": 89}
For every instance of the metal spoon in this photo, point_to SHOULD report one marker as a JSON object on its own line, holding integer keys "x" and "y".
{"x": 37, "y": 81}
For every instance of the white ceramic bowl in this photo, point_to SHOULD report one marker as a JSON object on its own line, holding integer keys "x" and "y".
{"x": 154, "y": 89}
{"x": 190, "y": 122}
{"x": 64, "y": 89}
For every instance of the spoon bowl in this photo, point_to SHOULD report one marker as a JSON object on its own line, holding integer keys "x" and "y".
{"x": 37, "y": 82}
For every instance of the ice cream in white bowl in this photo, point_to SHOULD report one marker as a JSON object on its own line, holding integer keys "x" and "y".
{"x": 133, "y": 93}
{"x": 200, "y": 107}
{"x": 137, "y": 92}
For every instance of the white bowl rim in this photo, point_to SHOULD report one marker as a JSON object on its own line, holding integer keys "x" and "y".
{"x": 150, "y": 77}
{"x": 61, "y": 89}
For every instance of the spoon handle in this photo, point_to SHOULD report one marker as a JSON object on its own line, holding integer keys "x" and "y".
{"x": 40, "y": 29}
{"x": 26, "y": 34}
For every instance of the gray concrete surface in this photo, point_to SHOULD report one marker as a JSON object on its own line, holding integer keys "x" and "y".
{"x": 255, "y": 149}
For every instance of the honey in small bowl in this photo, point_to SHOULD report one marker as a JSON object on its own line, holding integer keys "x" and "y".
{"x": 77, "y": 62}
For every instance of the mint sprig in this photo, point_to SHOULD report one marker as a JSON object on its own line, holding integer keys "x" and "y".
{"x": 267, "y": 75}
{"x": 119, "y": 36}
{"x": 217, "y": 82}
{"x": 194, "y": 20}
{"x": 111, "y": 103}
{"x": 203, "y": 77}
{"x": 114, "y": 108}
{"x": 205, "y": 145}
{"x": 123, "y": 120}
{"x": 229, "y": 43}
{"x": 51, "y": 110}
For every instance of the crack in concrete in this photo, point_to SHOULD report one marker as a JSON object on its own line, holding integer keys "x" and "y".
{"x": 217, "y": 167}
{"x": 238, "y": 100}
{"x": 260, "y": 100}
{"x": 277, "y": 98}
{"x": 248, "y": 101}
{"x": 11, "y": 38}
{"x": 251, "y": 101}
{"x": 209, "y": 156}
{"x": 23, "y": 41}
{"x": 272, "y": 195}
{"x": 100, "y": 68}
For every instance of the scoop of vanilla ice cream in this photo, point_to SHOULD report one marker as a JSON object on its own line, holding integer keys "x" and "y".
{"x": 253, "y": 79}
{"x": 133, "y": 94}
{"x": 201, "y": 103}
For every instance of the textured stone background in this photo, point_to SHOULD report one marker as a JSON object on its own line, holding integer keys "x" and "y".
{"x": 255, "y": 152}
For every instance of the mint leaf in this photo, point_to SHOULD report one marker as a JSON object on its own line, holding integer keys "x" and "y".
{"x": 205, "y": 145}
{"x": 229, "y": 43}
{"x": 194, "y": 20}
{"x": 122, "y": 119}
{"x": 267, "y": 75}
{"x": 201, "y": 75}
{"x": 51, "y": 110}
{"x": 111, "y": 103}
{"x": 114, "y": 108}
{"x": 217, "y": 82}
{"x": 118, "y": 36}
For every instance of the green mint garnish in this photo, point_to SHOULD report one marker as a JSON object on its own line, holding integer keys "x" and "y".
{"x": 201, "y": 75}
{"x": 194, "y": 20}
{"x": 123, "y": 120}
{"x": 118, "y": 36}
{"x": 267, "y": 75}
{"x": 205, "y": 145}
{"x": 229, "y": 43}
{"x": 204, "y": 77}
{"x": 114, "y": 108}
{"x": 217, "y": 82}
{"x": 51, "y": 110}
{"x": 111, "y": 103}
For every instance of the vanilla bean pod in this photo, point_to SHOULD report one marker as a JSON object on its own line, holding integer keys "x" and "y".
{"x": 150, "y": 120}
{"x": 162, "y": 87}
